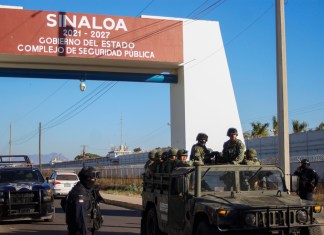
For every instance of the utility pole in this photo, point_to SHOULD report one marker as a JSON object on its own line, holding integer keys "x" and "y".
{"x": 282, "y": 96}
{"x": 10, "y": 142}
{"x": 40, "y": 147}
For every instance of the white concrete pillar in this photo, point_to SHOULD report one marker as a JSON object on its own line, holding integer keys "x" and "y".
{"x": 203, "y": 100}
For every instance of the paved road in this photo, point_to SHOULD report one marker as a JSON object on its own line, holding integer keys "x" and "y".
{"x": 117, "y": 221}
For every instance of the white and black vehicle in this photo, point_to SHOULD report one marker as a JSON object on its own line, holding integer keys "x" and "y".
{"x": 62, "y": 182}
{"x": 24, "y": 192}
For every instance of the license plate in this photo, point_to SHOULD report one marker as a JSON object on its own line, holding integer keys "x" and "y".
{"x": 67, "y": 185}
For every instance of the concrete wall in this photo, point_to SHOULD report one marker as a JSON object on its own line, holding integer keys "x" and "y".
{"x": 308, "y": 144}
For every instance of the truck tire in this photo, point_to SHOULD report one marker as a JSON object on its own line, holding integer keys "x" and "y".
{"x": 204, "y": 228}
{"x": 151, "y": 223}
{"x": 52, "y": 218}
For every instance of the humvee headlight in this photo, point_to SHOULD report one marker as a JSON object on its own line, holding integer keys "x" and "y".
{"x": 250, "y": 219}
{"x": 301, "y": 216}
{"x": 317, "y": 209}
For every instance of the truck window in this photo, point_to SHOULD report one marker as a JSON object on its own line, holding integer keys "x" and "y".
{"x": 217, "y": 181}
{"x": 261, "y": 180}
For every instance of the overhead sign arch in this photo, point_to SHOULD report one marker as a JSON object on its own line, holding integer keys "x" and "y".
{"x": 187, "y": 54}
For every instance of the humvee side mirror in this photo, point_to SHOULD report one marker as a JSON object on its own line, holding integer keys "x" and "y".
{"x": 293, "y": 183}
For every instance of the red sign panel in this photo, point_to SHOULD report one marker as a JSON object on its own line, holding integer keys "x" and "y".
{"x": 24, "y": 32}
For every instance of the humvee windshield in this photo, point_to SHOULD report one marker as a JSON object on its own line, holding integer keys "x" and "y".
{"x": 21, "y": 175}
{"x": 245, "y": 180}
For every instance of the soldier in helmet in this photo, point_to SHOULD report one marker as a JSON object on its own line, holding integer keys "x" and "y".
{"x": 233, "y": 149}
{"x": 251, "y": 158}
{"x": 155, "y": 166}
{"x": 308, "y": 180}
{"x": 83, "y": 215}
{"x": 172, "y": 160}
{"x": 182, "y": 156}
{"x": 151, "y": 156}
{"x": 199, "y": 150}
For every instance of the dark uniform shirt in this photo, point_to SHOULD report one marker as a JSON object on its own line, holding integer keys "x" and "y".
{"x": 80, "y": 205}
{"x": 308, "y": 180}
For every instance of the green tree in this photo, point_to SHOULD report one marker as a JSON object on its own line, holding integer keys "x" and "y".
{"x": 259, "y": 129}
{"x": 137, "y": 150}
{"x": 299, "y": 126}
{"x": 275, "y": 125}
{"x": 320, "y": 126}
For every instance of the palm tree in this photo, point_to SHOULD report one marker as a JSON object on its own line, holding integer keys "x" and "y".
{"x": 274, "y": 125}
{"x": 246, "y": 134}
{"x": 299, "y": 127}
{"x": 320, "y": 126}
{"x": 259, "y": 129}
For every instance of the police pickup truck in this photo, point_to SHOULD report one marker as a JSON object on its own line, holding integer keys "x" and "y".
{"x": 225, "y": 199}
{"x": 24, "y": 193}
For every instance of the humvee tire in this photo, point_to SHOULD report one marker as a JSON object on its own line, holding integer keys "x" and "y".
{"x": 151, "y": 223}
{"x": 52, "y": 218}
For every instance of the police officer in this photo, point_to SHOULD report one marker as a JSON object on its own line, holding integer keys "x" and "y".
{"x": 233, "y": 149}
{"x": 251, "y": 158}
{"x": 308, "y": 180}
{"x": 199, "y": 150}
{"x": 83, "y": 215}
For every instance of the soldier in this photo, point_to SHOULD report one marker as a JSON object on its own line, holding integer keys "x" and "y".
{"x": 251, "y": 158}
{"x": 182, "y": 158}
{"x": 83, "y": 215}
{"x": 151, "y": 156}
{"x": 164, "y": 159}
{"x": 155, "y": 166}
{"x": 308, "y": 180}
{"x": 233, "y": 149}
{"x": 172, "y": 160}
{"x": 199, "y": 150}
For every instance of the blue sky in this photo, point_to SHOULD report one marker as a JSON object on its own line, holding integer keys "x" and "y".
{"x": 138, "y": 113}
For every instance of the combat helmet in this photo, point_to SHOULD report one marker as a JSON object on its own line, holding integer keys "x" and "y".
{"x": 87, "y": 176}
{"x": 231, "y": 131}
{"x": 305, "y": 162}
{"x": 151, "y": 154}
{"x": 251, "y": 153}
{"x": 182, "y": 152}
{"x": 202, "y": 136}
{"x": 158, "y": 154}
{"x": 172, "y": 152}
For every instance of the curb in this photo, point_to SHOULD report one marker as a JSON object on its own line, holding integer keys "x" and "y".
{"x": 125, "y": 205}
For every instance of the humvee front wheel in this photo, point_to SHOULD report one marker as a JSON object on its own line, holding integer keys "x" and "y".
{"x": 204, "y": 228}
{"x": 152, "y": 226}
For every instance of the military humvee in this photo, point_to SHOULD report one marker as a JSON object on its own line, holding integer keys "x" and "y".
{"x": 225, "y": 199}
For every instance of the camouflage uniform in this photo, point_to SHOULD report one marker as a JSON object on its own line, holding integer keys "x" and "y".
{"x": 155, "y": 166}
{"x": 251, "y": 158}
{"x": 181, "y": 162}
{"x": 233, "y": 152}
{"x": 199, "y": 150}
{"x": 164, "y": 159}
{"x": 151, "y": 156}
{"x": 172, "y": 161}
